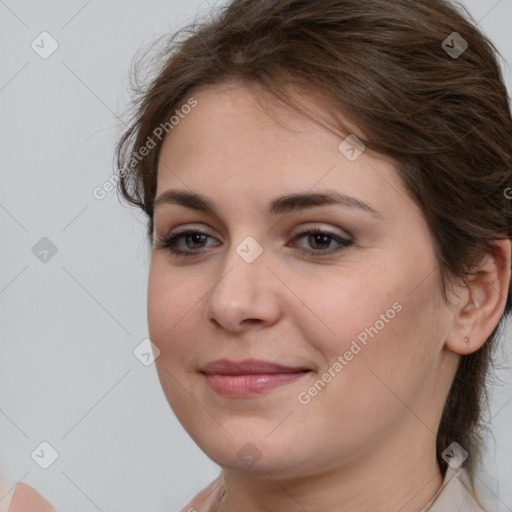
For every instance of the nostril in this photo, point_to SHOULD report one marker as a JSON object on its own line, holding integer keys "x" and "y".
{"x": 251, "y": 320}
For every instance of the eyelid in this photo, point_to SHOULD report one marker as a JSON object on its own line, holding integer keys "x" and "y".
{"x": 324, "y": 228}
{"x": 183, "y": 228}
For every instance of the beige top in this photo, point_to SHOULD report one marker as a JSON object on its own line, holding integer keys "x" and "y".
{"x": 454, "y": 495}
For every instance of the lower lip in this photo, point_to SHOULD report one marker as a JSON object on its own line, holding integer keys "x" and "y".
{"x": 247, "y": 385}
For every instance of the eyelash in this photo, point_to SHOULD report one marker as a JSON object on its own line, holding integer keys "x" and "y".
{"x": 170, "y": 242}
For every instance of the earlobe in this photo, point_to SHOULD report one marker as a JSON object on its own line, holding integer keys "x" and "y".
{"x": 463, "y": 338}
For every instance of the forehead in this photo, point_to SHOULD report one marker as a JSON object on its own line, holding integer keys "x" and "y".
{"x": 231, "y": 144}
{"x": 229, "y": 120}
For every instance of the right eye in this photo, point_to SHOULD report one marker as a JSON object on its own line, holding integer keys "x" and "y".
{"x": 171, "y": 242}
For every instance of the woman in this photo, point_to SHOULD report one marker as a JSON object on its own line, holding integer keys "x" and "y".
{"x": 326, "y": 191}
{"x": 348, "y": 162}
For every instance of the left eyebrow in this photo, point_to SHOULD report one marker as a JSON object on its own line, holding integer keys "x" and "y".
{"x": 283, "y": 204}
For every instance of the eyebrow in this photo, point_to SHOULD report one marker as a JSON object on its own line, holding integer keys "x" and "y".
{"x": 283, "y": 204}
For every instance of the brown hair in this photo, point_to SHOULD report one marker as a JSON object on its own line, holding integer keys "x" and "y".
{"x": 445, "y": 120}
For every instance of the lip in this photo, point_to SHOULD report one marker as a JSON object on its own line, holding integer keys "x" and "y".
{"x": 249, "y": 377}
{"x": 248, "y": 367}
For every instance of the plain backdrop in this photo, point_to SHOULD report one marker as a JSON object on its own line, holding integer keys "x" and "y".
{"x": 73, "y": 269}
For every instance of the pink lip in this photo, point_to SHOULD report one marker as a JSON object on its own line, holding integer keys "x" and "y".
{"x": 248, "y": 377}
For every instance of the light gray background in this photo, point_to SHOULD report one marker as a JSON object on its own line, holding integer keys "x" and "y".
{"x": 69, "y": 326}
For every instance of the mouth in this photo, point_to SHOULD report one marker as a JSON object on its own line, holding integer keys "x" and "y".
{"x": 249, "y": 377}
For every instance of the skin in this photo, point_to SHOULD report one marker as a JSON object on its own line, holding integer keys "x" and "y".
{"x": 366, "y": 441}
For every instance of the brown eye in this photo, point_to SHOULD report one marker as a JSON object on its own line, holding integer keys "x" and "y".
{"x": 192, "y": 240}
{"x": 317, "y": 237}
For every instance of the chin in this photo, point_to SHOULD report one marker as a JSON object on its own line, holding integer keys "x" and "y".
{"x": 256, "y": 452}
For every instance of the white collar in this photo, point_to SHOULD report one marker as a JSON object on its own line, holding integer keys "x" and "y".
{"x": 454, "y": 494}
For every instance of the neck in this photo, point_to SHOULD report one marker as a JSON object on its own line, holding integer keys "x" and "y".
{"x": 406, "y": 481}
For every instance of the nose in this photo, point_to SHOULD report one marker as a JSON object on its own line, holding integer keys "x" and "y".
{"x": 246, "y": 294}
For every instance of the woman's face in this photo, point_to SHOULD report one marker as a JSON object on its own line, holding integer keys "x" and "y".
{"x": 364, "y": 317}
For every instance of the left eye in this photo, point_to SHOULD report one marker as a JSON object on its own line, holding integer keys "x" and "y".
{"x": 318, "y": 237}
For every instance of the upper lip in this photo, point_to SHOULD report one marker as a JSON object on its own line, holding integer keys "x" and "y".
{"x": 248, "y": 367}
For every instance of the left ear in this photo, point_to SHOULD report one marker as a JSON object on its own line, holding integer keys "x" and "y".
{"x": 483, "y": 302}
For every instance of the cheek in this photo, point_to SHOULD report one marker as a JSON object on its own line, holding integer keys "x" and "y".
{"x": 172, "y": 315}
{"x": 372, "y": 321}
{"x": 383, "y": 337}
{"x": 340, "y": 310}
{"x": 171, "y": 309}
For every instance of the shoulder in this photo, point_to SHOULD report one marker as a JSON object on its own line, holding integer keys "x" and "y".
{"x": 456, "y": 494}
{"x": 207, "y": 499}
{"x": 27, "y": 498}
